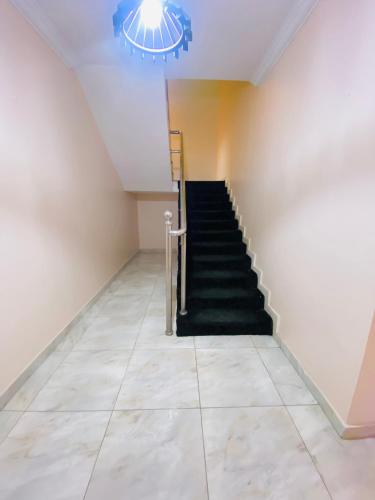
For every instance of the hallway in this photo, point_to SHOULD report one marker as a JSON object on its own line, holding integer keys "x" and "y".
{"x": 121, "y": 411}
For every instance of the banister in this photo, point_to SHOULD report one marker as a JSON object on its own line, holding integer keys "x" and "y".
{"x": 180, "y": 233}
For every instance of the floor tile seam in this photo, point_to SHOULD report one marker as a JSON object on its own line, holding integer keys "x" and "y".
{"x": 103, "y": 350}
{"x": 67, "y": 353}
{"x": 114, "y": 405}
{"x": 295, "y": 427}
{"x": 97, "y": 454}
{"x": 271, "y": 378}
{"x": 229, "y": 348}
{"x": 165, "y": 408}
{"x": 279, "y": 383}
{"x": 308, "y": 451}
{"x": 22, "y": 413}
{"x": 201, "y": 421}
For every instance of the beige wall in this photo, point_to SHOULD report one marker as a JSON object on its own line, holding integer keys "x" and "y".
{"x": 301, "y": 161}
{"x": 194, "y": 108}
{"x": 66, "y": 226}
{"x": 151, "y": 209}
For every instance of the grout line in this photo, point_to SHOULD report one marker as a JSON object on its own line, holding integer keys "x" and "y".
{"x": 294, "y": 425}
{"x": 118, "y": 394}
{"x": 165, "y": 408}
{"x": 21, "y": 414}
{"x": 201, "y": 418}
{"x": 271, "y": 378}
{"x": 67, "y": 353}
{"x": 308, "y": 451}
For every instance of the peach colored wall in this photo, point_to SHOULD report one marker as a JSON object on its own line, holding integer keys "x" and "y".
{"x": 363, "y": 405}
{"x": 66, "y": 226}
{"x": 301, "y": 162}
{"x": 151, "y": 208}
{"x": 194, "y": 108}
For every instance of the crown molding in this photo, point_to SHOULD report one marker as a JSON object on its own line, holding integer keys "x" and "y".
{"x": 47, "y": 29}
{"x": 296, "y": 18}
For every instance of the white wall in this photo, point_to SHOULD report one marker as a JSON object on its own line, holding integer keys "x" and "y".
{"x": 130, "y": 107}
{"x": 151, "y": 228}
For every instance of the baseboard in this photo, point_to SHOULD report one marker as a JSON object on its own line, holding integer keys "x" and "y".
{"x": 155, "y": 250}
{"x": 261, "y": 285}
{"x": 14, "y": 387}
{"x": 344, "y": 430}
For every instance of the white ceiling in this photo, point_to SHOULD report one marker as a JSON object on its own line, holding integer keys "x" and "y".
{"x": 233, "y": 39}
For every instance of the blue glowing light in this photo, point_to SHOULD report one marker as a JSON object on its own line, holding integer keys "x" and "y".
{"x": 151, "y": 13}
{"x": 152, "y": 27}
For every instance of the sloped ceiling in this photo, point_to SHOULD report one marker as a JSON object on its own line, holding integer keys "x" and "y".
{"x": 233, "y": 40}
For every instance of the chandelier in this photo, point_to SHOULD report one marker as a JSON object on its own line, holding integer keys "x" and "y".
{"x": 155, "y": 28}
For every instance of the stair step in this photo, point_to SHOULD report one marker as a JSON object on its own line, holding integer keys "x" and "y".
{"x": 228, "y": 262}
{"x": 228, "y": 321}
{"x": 224, "y": 277}
{"x": 213, "y": 225}
{"x": 205, "y": 185}
{"x": 209, "y": 205}
{"x": 196, "y": 215}
{"x": 213, "y": 235}
{"x": 219, "y": 247}
{"x": 223, "y": 298}
{"x": 209, "y": 197}
{"x": 235, "y": 297}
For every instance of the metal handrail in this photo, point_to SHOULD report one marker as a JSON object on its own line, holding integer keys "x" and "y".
{"x": 181, "y": 234}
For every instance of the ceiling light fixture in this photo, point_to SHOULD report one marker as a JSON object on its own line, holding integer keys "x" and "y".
{"x": 155, "y": 28}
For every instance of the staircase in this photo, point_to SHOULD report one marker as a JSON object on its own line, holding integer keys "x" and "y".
{"x": 222, "y": 293}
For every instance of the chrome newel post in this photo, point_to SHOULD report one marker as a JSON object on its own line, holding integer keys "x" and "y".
{"x": 168, "y": 272}
{"x": 183, "y": 310}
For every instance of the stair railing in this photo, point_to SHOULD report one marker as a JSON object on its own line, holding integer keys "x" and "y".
{"x": 180, "y": 233}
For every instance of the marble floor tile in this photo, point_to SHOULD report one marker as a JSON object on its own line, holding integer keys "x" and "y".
{"x": 151, "y": 455}
{"x": 234, "y": 377}
{"x": 29, "y": 390}
{"x": 291, "y": 387}
{"x": 257, "y": 454}
{"x": 8, "y": 420}
{"x": 223, "y": 342}
{"x": 131, "y": 308}
{"x": 152, "y": 336}
{"x": 160, "y": 379}
{"x": 84, "y": 381}
{"x": 50, "y": 456}
{"x": 264, "y": 341}
{"x": 75, "y": 333}
{"x": 348, "y": 467}
{"x": 140, "y": 285}
{"x": 111, "y": 334}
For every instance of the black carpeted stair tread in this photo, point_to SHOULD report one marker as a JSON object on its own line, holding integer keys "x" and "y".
{"x": 239, "y": 297}
{"x": 210, "y": 214}
{"x": 223, "y": 298}
{"x": 210, "y": 198}
{"x": 214, "y": 235}
{"x": 222, "y": 274}
{"x": 219, "y": 247}
{"x": 225, "y": 322}
{"x": 213, "y": 225}
{"x": 207, "y": 261}
{"x": 220, "y": 277}
{"x": 210, "y": 205}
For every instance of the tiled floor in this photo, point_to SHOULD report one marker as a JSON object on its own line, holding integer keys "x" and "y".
{"x": 120, "y": 411}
